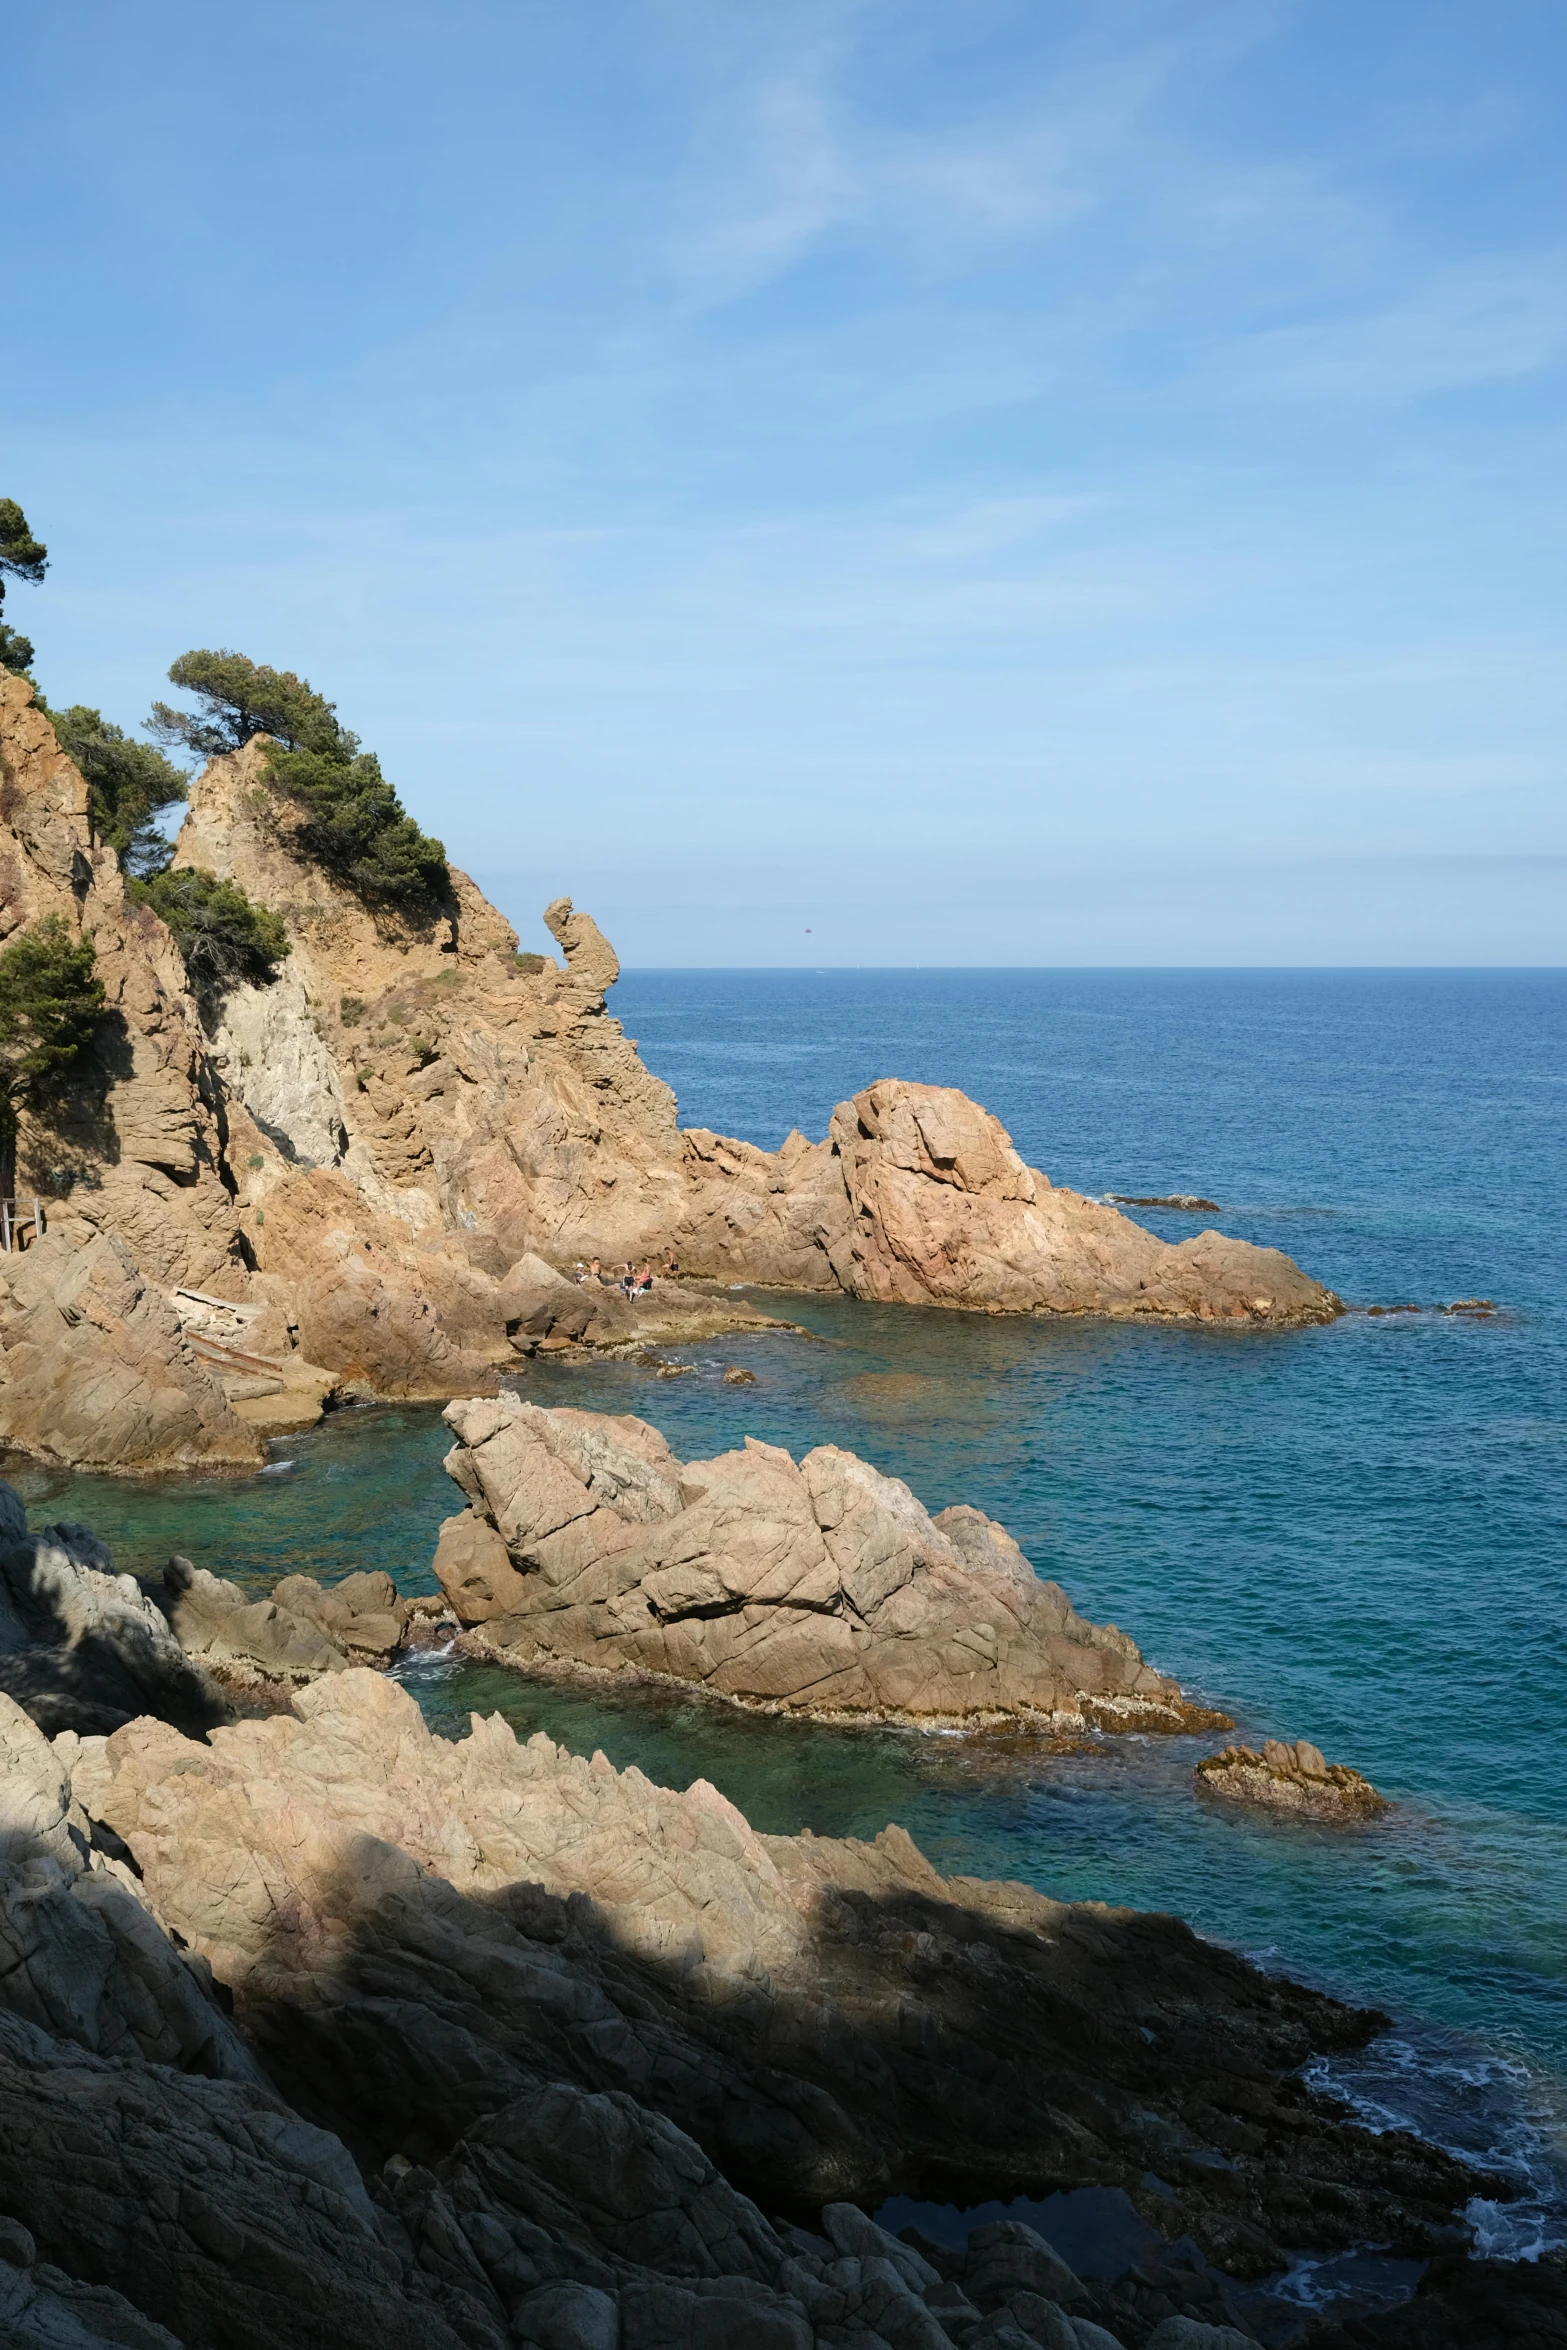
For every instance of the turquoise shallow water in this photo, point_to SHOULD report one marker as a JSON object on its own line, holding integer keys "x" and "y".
{"x": 1353, "y": 1534}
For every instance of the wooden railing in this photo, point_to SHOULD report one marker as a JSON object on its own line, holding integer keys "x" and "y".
{"x": 17, "y": 1227}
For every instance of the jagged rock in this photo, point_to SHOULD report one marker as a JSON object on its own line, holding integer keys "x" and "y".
{"x": 474, "y": 1569}
{"x": 822, "y": 1588}
{"x": 364, "y": 1615}
{"x": 418, "y": 1934}
{"x": 79, "y": 1955}
{"x": 1189, "y": 2333}
{"x": 567, "y": 2019}
{"x": 302, "y": 1629}
{"x": 43, "y": 2309}
{"x": 81, "y": 1648}
{"x": 1007, "y": 2257}
{"x": 1293, "y": 1779}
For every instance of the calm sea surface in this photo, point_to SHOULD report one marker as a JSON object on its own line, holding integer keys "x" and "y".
{"x": 1356, "y": 1535}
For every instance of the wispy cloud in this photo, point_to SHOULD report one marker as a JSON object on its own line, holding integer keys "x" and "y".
{"x": 1487, "y": 322}
{"x": 792, "y": 156}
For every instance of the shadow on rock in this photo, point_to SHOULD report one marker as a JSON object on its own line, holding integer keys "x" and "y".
{"x": 618, "y": 2071}
{"x": 82, "y": 1648}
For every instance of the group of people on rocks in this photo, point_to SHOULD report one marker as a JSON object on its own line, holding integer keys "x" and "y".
{"x": 632, "y": 1280}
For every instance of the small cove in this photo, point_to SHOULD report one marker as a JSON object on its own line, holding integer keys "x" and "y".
{"x": 1352, "y": 1534}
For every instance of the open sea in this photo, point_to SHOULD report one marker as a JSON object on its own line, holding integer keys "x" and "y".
{"x": 1356, "y": 1535}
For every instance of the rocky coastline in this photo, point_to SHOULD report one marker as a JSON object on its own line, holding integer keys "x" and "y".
{"x": 376, "y": 1175}
{"x": 317, "y": 2027}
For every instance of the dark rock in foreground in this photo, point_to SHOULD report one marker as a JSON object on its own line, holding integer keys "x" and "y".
{"x": 820, "y": 1587}
{"x": 614, "y": 2069}
{"x": 81, "y": 1648}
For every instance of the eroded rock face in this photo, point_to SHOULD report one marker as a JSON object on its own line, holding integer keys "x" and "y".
{"x": 95, "y": 1370}
{"x": 1291, "y": 1779}
{"x": 598, "y": 2047}
{"x": 820, "y": 1587}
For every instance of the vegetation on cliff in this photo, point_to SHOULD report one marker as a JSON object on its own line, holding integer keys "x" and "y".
{"x": 22, "y": 557}
{"x": 224, "y": 936}
{"x": 355, "y": 828}
{"x": 51, "y": 1000}
{"x": 129, "y": 785}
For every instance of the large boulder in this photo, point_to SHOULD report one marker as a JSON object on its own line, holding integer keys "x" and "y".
{"x": 96, "y": 1371}
{"x": 945, "y": 1212}
{"x": 819, "y": 1587}
{"x": 243, "y": 1639}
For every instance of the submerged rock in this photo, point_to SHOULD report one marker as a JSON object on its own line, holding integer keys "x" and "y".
{"x": 821, "y": 1587}
{"x": 1292, "y": 1779}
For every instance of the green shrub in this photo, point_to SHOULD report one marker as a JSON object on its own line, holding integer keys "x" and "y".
{"x": 129, "y": 785}
{"x": 21, "y": 557}
{"x": 16, "y": 650}
{"x": 356, "y": 827}
{"x": 51, "y": 1000}
{"x": 351, "y": 1010}
{"x": 222, "y": 934}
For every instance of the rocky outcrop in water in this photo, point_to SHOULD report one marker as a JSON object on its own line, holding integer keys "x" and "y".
{"x": 290, "y": 1637}
{"x": 821, "y": 1587}
{"x": 917, "y": 1197}
{"x": 382, "y": 1161}
{"x": 1291, "y": 1779}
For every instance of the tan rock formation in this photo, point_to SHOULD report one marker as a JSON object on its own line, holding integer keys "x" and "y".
{"x": 622, "y": 2011}
{"x": 822, "y": 1588}
{"x": 1294, "y": 1780}
{"x": 96, "y": 1371}
{"x": 361, "y": 1155}
{"x": 917, "y": 1197}
{"x": 129, "y": 1165}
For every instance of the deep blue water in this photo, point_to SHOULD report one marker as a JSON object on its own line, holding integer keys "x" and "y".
{"x": 1355, "y": 1534}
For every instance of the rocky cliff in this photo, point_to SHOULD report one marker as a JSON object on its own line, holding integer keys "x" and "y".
{"x": 367, "y": 1175}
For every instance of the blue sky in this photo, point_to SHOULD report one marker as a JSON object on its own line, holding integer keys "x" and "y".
{"x": 1075, "y": 482}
